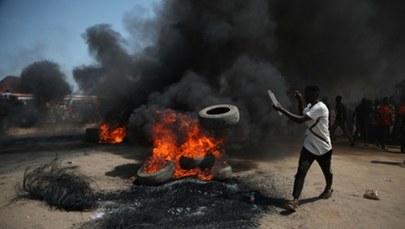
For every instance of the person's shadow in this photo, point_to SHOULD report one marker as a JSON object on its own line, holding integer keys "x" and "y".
{"x": 280, "y": 202}
{"x": 401, "y": 164}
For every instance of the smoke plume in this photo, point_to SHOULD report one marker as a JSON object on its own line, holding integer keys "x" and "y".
{"x": 45, "y": 81}
{"x": 349, "y": 48}
{"x": 207, "y": 52}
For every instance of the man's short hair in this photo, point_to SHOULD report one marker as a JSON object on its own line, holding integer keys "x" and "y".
{"x": 312, "y": 88}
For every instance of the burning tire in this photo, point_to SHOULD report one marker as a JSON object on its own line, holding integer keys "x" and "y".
{"x": 190, "y": 163}
{"x": 203, "y": 163}
{"x": 219, "y": 116}
{"x": 159, "y": 177}
{"x": 92, "y": 135}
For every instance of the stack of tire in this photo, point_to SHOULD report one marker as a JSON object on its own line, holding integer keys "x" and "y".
{"x": 217, "y": 117}
{"x": 214, "y": 117}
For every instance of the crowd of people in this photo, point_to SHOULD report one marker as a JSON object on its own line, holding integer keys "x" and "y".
{"x": 379, "y": 122}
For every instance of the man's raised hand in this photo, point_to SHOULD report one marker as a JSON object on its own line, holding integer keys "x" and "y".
{"x": 298, "y": 95}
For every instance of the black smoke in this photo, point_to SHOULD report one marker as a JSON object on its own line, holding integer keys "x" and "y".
{"x": 207, "y": 52}
{"x": 352, "y": 48}
{"x": 45, "y": 81}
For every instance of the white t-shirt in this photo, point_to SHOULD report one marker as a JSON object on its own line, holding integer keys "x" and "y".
{"x": 317, "y": 140}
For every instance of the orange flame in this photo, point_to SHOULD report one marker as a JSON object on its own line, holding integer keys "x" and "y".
{"x": 110, "y": 135}
{"x": 176, "y": 135}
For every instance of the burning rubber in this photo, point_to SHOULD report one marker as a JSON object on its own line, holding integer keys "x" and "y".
{"x": 183, "y": 149}
{"x": 203, "y": 163}
{"x": 220, "y": 169}
{"x": 219, "y": 116}
{"x": 159, "y": 177}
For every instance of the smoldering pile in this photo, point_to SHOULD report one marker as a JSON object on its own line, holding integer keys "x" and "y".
{"x": 59, "y": 186}
{"x": 185, "y": 203}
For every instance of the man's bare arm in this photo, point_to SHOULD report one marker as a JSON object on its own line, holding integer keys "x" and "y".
{"x": 294, "y": 117}
{"x": 298, "y": 96}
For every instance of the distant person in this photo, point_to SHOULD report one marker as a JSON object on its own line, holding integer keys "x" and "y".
{"x": 401, "y": 114}
{"x": 7, "y": 94}
{"x": 340, "y": 120}
{"x": 383, "y": 123}
{"x": 360, "y": 117}
{"x": 372, "y": 127}
{"x": 317, "y": 143}
{"x": 391, "y": 103}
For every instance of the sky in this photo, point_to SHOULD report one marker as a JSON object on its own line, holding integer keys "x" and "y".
{"x": 52, "y": 30}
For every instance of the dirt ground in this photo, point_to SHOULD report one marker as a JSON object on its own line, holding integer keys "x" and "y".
{"x": 110, "y": 166}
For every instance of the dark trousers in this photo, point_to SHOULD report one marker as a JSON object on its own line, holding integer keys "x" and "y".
{"x": 382, "y": 135}
{"x": 342, "y": 126}
{"x": 361, "y": 128}
{"x": 305, "y": 162}
{"x": 403, "y": 139}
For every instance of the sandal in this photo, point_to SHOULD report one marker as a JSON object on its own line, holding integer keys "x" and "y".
{"x": 326, "y": 194}
{"x": 292, "y": 205}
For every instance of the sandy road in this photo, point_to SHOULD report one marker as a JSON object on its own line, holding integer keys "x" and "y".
{"x": 355, "y": 170}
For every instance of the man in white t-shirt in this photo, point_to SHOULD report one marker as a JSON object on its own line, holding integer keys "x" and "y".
{"x": 317, "y": 143}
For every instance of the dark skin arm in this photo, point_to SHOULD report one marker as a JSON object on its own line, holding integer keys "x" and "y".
{"x": 300, "y": 118}
{"x": 298, "y": 96}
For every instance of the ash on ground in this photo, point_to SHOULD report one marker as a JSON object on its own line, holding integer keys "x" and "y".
{"x": 185, "y": 203}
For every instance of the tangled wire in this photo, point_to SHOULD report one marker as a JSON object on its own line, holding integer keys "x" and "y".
{"x": 61, "y": 187}
{"x": 184, "y": 203}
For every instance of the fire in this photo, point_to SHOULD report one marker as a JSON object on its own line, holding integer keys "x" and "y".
{"x": 176, "y": 135}
{"x": 111, "y": 135}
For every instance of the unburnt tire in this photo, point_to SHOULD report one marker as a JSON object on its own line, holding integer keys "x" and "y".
{"x": 222, "y": 172}
{"x": 219, "y": 116}
{"x": 159, "y": 177}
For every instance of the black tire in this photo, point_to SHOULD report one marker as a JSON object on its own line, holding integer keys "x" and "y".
{"x": 158, "y": 177}
{"x": 203, "y": 163}
{"x": 208, "y": 162}
{"x": 92, "y": 135}
{"x": 190, "y": 163}
{"x": 219, "y": 116}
